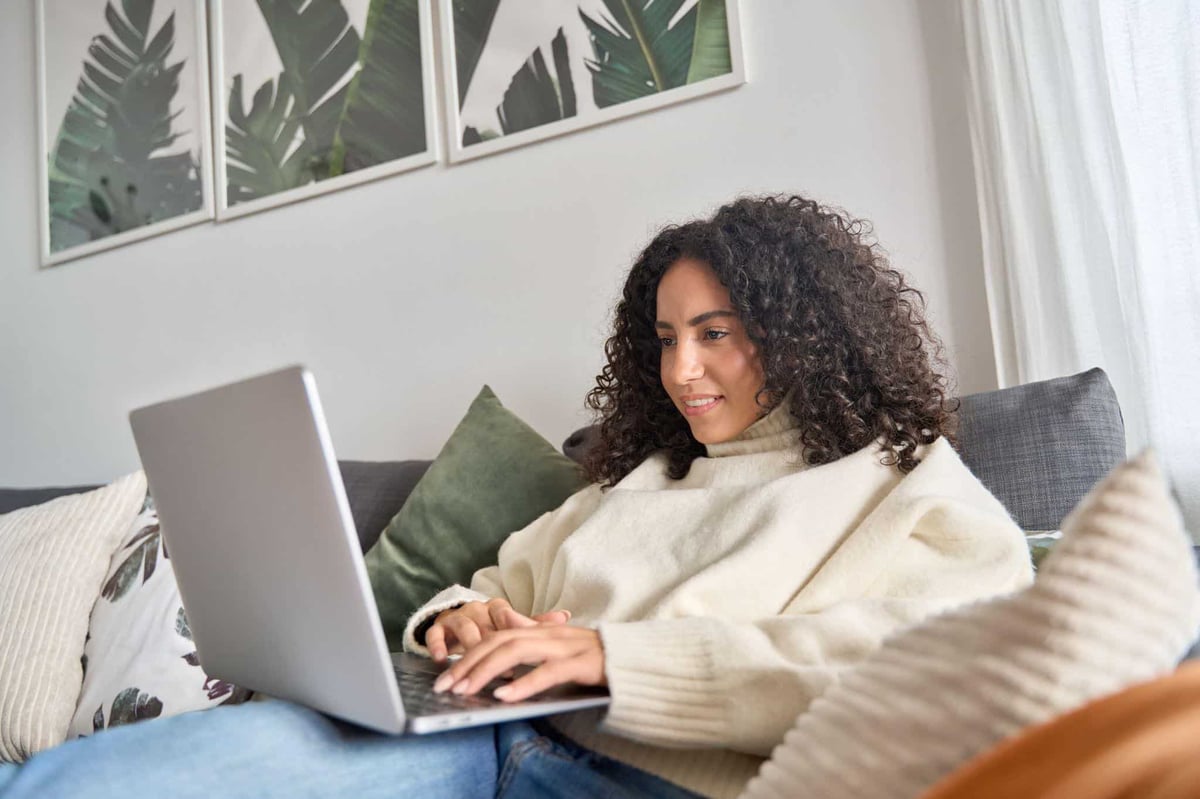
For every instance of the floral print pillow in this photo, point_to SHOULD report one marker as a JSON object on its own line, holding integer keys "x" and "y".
{"x": 139, "y": 661}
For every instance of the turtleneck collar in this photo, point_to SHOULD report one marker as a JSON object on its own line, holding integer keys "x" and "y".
{"x": 777, "y": 430}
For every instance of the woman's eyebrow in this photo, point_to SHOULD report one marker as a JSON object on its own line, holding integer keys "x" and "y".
{"x": 696, "y": 320}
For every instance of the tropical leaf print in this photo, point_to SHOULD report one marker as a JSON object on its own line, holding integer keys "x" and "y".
{"x": 108, "y": 171}
{"x": 261, "y": 144}
{"x": 384, "y": 114}
{"x": 133, "y": 705}
{"x": 142, "y": 560}
{"x": 181, "y": 625}
{"x": 317, "y": 45}
{"x": 710, "y": 53}
{"x": 637, "y": 51}
{"x": 218, "y": 688}
{"x": 535, "y": 97}
{"x": 472, "y": 24}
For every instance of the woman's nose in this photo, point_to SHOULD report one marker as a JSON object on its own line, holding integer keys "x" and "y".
{"x": 687, "y": 364}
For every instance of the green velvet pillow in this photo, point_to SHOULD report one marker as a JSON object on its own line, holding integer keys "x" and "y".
{"x": 494, "y": 476}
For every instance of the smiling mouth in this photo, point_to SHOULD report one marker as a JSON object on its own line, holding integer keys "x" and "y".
{"x": 698, "y": 407}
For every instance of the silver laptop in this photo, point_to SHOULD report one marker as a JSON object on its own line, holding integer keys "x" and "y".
{"x": 270, "y": 569}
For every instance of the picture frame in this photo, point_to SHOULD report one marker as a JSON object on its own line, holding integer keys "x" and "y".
{"x": 504, "y": 63}
{"x": 347, "y": 98}
{"x": 123, "y": 89}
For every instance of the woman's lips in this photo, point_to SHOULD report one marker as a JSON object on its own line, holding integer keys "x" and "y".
{"x": 700, "y": 410}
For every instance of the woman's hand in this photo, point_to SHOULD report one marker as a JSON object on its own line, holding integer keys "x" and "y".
{"x": 458, "y": 629}
{"x": 561, "y": 654}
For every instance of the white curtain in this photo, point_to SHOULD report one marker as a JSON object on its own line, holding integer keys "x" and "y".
{"x": 1085, "y": 126}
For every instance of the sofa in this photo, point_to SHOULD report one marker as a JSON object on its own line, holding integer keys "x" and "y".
{"x": 1038, "y": 447}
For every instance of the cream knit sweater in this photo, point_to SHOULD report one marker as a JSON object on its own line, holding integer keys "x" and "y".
{"x": 728, "y": 600}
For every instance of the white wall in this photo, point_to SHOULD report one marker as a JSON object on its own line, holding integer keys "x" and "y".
{"x": 406, "y": 294}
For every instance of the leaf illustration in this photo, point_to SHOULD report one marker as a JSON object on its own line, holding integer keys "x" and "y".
{"x": 123, "y": 578}
{"x": 217, "y": 688}
{"x": 108, "y": 173}
{"x": 384, "y": 114}
{"x": 636, "y": 53}
{"x": 261, "y": 144}
{"x": 317, "y": 45}
{"x": 710, "y": 51}
{"x": 472, "y": 24}
{"x": 181, "y": 625}
{"x": 151, "y": 562}
{"x": 133, "y": 705}
{"x": 142, "y": 535}
{"x": 533, "y": 97}
{"x": 142, "y": 560}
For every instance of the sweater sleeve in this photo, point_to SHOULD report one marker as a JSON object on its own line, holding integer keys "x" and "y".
{"x": 522, "y": 570}
{"x": 708, "y": 682}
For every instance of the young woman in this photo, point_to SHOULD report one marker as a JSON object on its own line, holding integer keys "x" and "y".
{"x": 775, "y": 491}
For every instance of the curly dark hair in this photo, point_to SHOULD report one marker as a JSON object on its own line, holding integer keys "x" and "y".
{"x": 833, "y": 322}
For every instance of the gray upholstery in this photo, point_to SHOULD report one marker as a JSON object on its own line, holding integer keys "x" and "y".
{"x": 1041, "y": 446}
{"x": 13, "y": 498}
{"x": 375, "y": 490}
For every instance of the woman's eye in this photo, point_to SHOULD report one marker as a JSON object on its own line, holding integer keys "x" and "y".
{"x": 713, "y": 335}
{"x": 665, "y": 341}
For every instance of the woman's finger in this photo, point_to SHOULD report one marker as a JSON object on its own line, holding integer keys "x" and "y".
{"x": 470, "y": 661}
{"x": 498, "y": 612}
{"x": 465, "y": 630}
{"x": 530, "y": 651}
{"x": 512, "y": 620}
{"x": 435, "y": 642}
{"x": 553, "y": 617}
{"x": 544, "y": 677}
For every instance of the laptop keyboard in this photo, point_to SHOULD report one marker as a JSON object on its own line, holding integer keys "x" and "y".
{"x": 416, "y": 690}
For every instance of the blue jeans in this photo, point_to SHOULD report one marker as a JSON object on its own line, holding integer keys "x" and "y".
{"x": 277, "y": 749}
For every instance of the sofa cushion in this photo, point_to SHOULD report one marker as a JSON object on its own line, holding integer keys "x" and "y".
{"x": 52, "y": 562}
{"x": 1040, "y": 447}
{"x": 139, "y": 661}
{"x": 494, "y": 476}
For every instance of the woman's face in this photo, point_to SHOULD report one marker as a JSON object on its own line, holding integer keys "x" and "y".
{"x": 709, "y": 367}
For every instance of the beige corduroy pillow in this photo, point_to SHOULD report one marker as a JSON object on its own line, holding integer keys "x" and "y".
{"x": 52, "y": 561}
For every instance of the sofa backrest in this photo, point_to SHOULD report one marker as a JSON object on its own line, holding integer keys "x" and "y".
{"x": 1038, "y": 447}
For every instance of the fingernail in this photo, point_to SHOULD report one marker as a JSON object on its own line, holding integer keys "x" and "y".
{"x": 443, "y": 682}
{"x": 460, "y": 687}
{"x": 502, "y": 692}
{"x": 568, "y": 614}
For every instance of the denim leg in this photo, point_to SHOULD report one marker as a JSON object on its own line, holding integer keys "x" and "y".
{"x": 259, "y": 749}
{"x": 539, "y": 763}
{"x": 8, "y": 772}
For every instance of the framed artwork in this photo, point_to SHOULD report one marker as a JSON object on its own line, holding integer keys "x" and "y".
{"x": 315, "y": 96}
{"x": 123, "y": 122}
{"x": 518, "y": 71}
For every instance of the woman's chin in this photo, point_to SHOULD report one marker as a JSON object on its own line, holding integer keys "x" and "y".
{"x": 711, "y": 434}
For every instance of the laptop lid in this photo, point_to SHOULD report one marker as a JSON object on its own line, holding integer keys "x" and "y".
{"x": 258, "y": 529}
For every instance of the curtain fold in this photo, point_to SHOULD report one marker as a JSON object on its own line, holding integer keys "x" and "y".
{"x": 1085, "y": 128}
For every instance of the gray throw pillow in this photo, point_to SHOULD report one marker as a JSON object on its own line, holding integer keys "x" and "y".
{"x": 1041, "y": 446}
